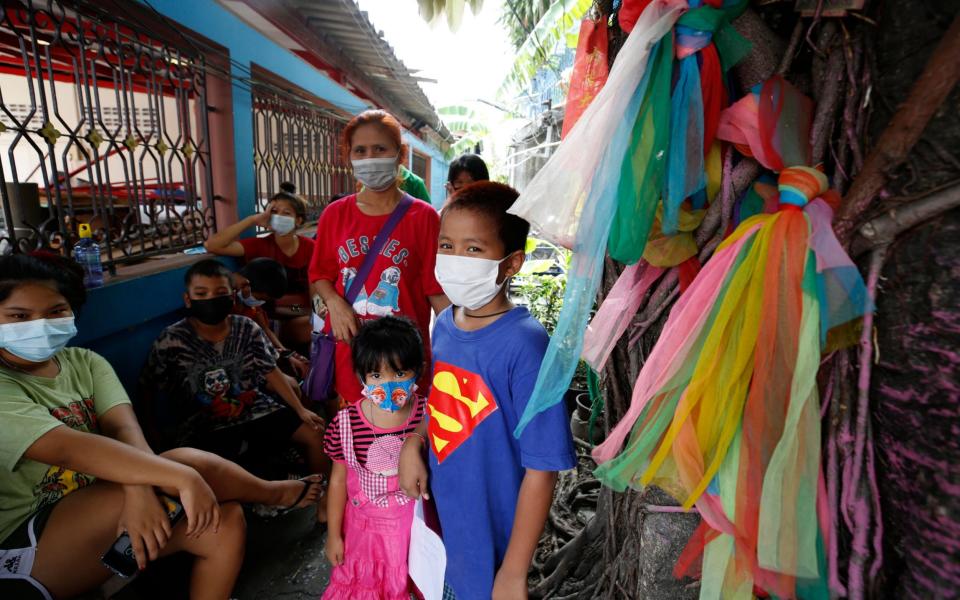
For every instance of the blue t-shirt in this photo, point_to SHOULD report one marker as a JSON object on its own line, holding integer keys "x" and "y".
{"x": 482, "y": 380}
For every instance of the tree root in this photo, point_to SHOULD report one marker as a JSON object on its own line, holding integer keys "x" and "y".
{"x": 883, "y": 229}
{"x": 828, "y": 95}
{"x": 940, "y": 75}
{"x": 765, "y": 56}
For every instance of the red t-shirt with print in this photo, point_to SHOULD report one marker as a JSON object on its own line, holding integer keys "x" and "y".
{"x": 400, "y": 282}
{"x": 296, "y": 264}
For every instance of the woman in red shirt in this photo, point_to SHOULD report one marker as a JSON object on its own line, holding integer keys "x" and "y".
{"x": 285, "y": 213}
{"x": 402, "y": 280}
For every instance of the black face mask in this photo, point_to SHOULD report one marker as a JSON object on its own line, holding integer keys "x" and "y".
{"x": 211, "y": 311}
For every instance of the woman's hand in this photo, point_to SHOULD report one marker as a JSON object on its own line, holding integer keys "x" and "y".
{"x": 413, "y": 473}
{"x": 199, "y": 503}
{"x": 509, "y": 586}
{"x": 263, "y": 219}
{"x": 311, "y": 419}
{"x": 145, "y": 521}
{"x": 334, "y": 549}
{"x": 342, "y": 319}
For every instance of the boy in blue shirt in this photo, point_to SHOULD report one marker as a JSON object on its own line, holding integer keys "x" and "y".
{"x": 493, "y": 491}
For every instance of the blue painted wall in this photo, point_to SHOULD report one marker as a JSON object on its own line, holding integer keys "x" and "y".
{"x": 121, "y": 320}
{"x": 438, "y": 168}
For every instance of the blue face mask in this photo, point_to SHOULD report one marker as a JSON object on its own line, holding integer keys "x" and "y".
{"x": 282, "y": 224}
{"x": 37, "y": 340}
{"x": 390, "y": 396}
{"x": 250, "y": 300}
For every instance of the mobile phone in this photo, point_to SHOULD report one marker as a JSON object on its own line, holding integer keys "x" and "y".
{"x": 120, "y": 558}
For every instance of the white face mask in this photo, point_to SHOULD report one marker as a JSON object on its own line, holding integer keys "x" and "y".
{"x": 468, "y": 281}
{"x": 376, "y": 174}
{"x": 282, "y": 224}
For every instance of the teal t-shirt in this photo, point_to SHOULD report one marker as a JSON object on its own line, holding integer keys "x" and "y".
{"x": 30, "y": 406}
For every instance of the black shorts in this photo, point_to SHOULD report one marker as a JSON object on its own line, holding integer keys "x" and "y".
{"x": 263, "y": 436}
{"x": 17, "y": 553}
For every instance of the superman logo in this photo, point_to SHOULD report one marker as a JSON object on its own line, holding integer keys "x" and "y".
{"x": 459, "y": 401}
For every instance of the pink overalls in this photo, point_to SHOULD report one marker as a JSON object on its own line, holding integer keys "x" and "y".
{"x": 376, "y": 529}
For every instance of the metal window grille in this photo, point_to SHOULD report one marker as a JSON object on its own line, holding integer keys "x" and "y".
{"x": 297, "y": 142}
{"x": 100, "y": 123}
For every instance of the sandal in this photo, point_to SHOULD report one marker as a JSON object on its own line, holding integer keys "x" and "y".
{"x": 307, "y": 482}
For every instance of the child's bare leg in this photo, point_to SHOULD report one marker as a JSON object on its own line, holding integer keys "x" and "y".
{"x": 311, "y": 442}
{"x": 231, "y": 482}
{"x": 83, "y": 525}
{"x": 218, "y": 556}
{"x": 80, "y": 529}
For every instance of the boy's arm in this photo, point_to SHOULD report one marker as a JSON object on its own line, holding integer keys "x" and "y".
{"x": 336, "y": 502}
{"x": 280, "y": 383}
{"x": 412, "y": 470}
{"x": 533, "y": 505}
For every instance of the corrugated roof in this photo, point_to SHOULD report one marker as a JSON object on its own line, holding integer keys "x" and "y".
{"x": 345, "y": 26}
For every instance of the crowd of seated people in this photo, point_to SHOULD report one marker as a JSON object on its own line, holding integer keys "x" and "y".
{"x": 76, "y": 466}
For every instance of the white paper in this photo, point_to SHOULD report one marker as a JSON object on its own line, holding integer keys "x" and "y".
{"x": 428, "y": 558}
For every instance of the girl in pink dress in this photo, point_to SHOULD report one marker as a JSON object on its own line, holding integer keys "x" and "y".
{"x": 369, "y": 516}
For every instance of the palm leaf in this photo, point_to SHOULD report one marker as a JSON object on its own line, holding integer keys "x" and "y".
{"x": 554, "y": 28}
{"x": 433, "y": 10}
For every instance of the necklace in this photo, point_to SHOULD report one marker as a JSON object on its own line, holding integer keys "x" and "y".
{"x": 496, "y": 314}
{"x": 14, "y": 367}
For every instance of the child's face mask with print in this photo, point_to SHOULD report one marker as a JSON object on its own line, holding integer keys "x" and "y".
{"x": 390, "y": 396}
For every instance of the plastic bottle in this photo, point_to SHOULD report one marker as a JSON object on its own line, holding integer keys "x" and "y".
{"x": 87, "y": 253}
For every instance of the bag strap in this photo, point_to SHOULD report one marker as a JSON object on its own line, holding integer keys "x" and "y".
{"x": 378, "y": 243}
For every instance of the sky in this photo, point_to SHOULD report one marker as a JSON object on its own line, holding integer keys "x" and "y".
{"x": 468, "y": 65}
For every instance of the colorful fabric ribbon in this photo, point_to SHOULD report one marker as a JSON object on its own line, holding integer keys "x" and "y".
{"x": 644, "y": 165}
{"x": 590, "y": 71}
{"x": 616, "y": 312}
{"x": 572, "y": 199}
{"x": 770, "y": 124}
{"x": 725, "y": 411}
{"x": 698, "y": 97}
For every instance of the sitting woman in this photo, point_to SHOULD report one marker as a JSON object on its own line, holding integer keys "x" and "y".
{"x": 74, "y": 465}
{"x": 285, "y": 213}
{"x": 261, "y": 282}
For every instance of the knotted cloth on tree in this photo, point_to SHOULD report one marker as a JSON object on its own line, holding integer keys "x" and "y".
{"x": 635, "y": 143}
{"x": 725, "y": 412}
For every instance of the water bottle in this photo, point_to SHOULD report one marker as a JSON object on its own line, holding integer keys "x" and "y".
{"x": 87, "y": 253}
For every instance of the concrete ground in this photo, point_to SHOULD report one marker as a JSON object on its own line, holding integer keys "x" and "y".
{"x": 284, "y": 561}
{"x": 285, "y": 558}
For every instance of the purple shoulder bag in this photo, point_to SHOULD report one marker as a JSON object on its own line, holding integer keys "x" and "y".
{"x": 318, "y": 385}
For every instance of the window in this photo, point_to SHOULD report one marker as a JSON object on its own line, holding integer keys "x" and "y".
{"x": 420, "y": 165}
{"x": 298, "y": 141}
{"x": 100, "y": 123}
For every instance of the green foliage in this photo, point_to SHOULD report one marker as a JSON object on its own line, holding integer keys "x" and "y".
{"x": 464, "y": 123}
{"x": 543, "y": 296}
{"x": 541, "y": 292}
{"x": 557, "y": 27}
{"x": 519, "y": 17}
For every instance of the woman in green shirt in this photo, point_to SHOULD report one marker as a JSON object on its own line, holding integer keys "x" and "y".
{"x": 75, "y": 468}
